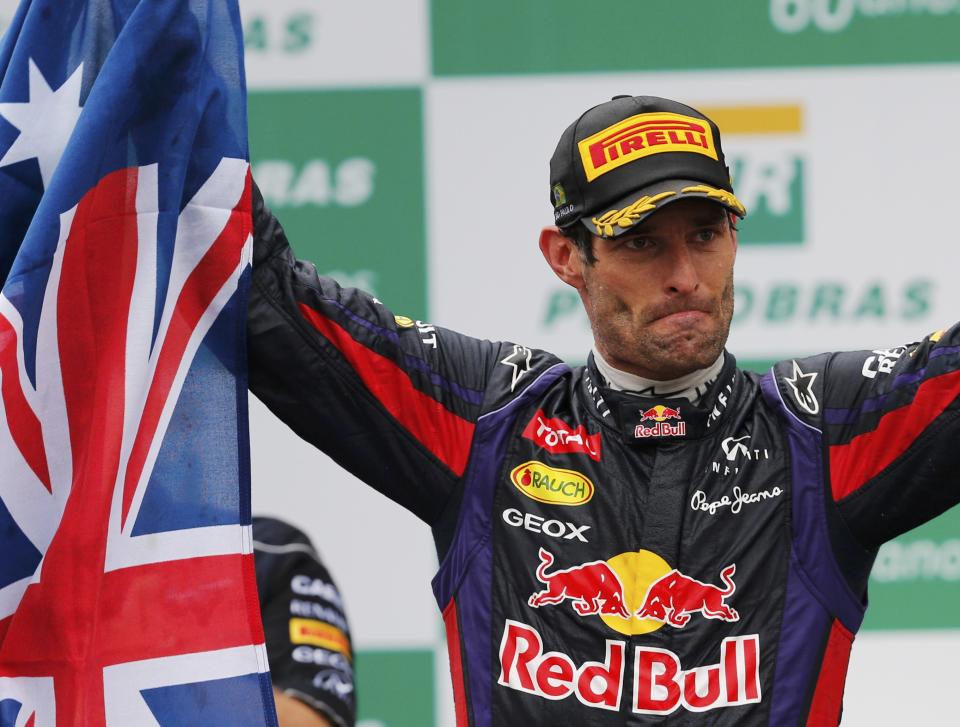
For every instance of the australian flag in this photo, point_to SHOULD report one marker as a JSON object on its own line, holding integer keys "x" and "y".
{"x": 127, "y": 590}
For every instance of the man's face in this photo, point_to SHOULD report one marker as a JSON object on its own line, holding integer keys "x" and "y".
{"x": 660, "y": 297}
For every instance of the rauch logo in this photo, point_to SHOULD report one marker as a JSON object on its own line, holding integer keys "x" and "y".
{"x": 552, "y": 485}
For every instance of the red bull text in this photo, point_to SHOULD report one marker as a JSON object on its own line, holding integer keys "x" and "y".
{"x": 660, "y": 415}
{"x": 661, "y": 685}
{"x": 660, "y": 429}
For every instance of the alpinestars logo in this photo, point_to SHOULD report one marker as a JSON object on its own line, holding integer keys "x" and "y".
{"x": 519, "y": 361}
{"x": 802, "y": 386}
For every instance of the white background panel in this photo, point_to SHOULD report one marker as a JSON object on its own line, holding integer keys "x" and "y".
{"x": 324, "y": 43}
{"x": 380, "y": 556}
{"x": 880, "y": 178}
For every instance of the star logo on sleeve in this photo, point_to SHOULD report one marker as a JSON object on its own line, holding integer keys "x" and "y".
{"x": 46, "y": 121}
{"x": 519, "y": 360}
{"x": 802, "y": 386}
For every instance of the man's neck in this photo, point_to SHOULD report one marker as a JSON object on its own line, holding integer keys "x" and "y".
{"x": 692, "y": 386}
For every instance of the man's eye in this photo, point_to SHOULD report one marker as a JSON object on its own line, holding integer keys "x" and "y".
{"x": 637, "y": 243}
{"x": 707, "y": 235}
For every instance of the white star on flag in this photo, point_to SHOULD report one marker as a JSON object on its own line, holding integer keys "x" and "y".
{"x": 45, "y": 122}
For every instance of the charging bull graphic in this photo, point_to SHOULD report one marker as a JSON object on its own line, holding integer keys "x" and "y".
{"x": 593, "y": 587}
{"x": 672, "y": 598}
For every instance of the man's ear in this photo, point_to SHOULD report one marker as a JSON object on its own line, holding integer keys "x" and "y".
{"x": 733, "y": 233}
{"x": 562, "y": 256}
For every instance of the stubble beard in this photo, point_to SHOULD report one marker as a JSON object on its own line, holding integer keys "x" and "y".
{"x": 633, "y": 346}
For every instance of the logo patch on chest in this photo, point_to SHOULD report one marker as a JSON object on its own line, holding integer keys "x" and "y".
{"x": 552, "y": 485}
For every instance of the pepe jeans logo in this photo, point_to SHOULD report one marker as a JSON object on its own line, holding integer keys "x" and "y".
{"x": 700, "y": 503}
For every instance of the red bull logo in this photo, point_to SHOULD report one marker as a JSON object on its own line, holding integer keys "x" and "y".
{"x": 611, "y": 589}
{"x": 660, "y": 686}
{"x": 593, "y": 587}
{"x": 675, "y": 596}
{"x": 659, "y": 413}
{"x": 661, "y": 428}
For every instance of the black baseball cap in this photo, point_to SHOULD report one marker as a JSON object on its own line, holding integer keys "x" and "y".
{"x": 625, "y": 158}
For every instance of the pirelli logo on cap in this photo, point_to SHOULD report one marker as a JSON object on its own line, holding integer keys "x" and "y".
{"x": 643, "y": 135}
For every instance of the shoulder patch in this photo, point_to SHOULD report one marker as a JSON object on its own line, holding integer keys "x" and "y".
{"x": 801, "y": 385}
{"x": 519, "y": 363}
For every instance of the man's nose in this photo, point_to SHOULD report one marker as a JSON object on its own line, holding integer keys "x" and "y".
{"x": 681, "y": 275}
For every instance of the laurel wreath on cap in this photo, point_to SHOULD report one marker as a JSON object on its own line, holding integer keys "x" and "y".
{"x": 727, "y": 198}
{"x": 628, "y": 216}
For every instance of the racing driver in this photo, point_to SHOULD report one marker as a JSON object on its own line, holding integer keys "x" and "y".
{"x": 657, "y": 536}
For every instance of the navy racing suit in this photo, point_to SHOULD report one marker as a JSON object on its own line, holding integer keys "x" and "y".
{"x": 607, "y": 559}
{"x": 304, "y": 622}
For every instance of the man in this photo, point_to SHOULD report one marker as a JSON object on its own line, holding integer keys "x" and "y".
{"x": 305, "y": 625}
{"x": 654, "y": 536}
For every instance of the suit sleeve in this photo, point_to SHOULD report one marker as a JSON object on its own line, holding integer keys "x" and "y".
{"x": 304, "y": 622}
{"x": 891, "y": 424}
{"x": 394, "y": 401}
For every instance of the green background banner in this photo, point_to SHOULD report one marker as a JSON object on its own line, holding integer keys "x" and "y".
{"x": 343, "y": 170}
{"x": 569, "y": 36}
{"x": 395, "y": 688}
{"x": 915, "y": 582}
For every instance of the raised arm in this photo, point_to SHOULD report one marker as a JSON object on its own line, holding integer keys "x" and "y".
{"x": 892, "y": 434}
{"x": 393, "y": 400}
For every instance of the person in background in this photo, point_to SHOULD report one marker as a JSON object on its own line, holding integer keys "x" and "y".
{"x": 306, "y": 629}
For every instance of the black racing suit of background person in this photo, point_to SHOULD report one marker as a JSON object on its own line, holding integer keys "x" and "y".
{"x": 304, "y": 622}
{"x": 607, "y": 559}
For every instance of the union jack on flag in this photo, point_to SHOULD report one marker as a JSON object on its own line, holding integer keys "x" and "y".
{"x": 127, "y": 591}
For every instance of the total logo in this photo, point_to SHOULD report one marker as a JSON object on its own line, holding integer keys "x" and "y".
{"x": 558, "y": 437}
{"x": 661, "y": 685}
{"x": 662, "y": 427}
{"x": 634, "y": 593}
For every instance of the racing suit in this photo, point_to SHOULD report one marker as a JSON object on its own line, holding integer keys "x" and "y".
{"x": 307, "y": 636}
{"x": 607, "y": 559}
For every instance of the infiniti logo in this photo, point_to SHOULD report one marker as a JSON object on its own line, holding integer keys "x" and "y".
{"x": 736, "y": 449}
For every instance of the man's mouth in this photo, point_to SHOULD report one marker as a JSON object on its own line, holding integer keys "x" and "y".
{"x": 680, "y": 315}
